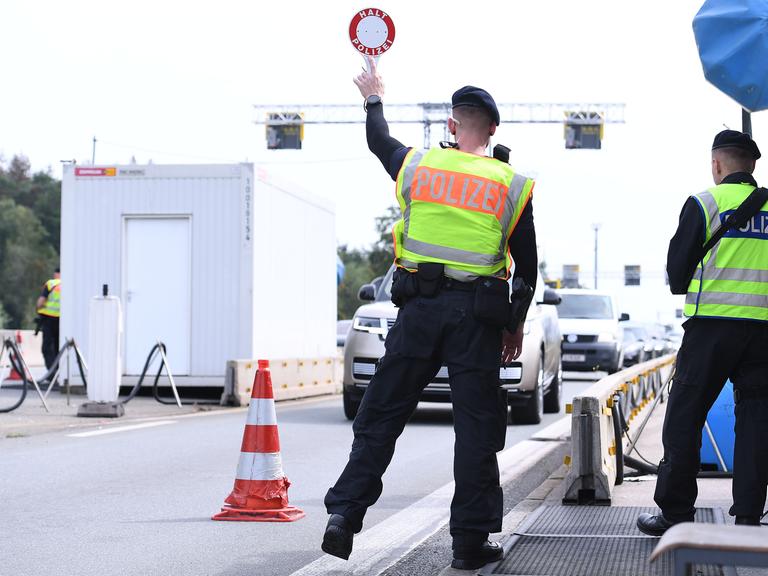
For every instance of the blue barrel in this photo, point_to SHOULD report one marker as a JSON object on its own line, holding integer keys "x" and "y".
{"x": 721, "y": 420}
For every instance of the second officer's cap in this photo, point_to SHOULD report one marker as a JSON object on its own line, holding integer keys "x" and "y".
{"x": 735, "y": 139}
{"x": 478, "y": 98}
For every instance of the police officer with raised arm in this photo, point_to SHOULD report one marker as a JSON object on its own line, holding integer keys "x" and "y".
{"x": 726, "y": 336}
{"x": 466, "y": 218}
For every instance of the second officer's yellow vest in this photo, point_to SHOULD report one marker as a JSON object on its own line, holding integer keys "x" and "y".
{"x": 52, "y": 305}
{"x": 732, "y": 280}
{"x": 458, "y": 209}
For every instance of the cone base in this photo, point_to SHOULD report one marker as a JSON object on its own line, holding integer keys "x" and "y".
{"x": 286, "y": 514}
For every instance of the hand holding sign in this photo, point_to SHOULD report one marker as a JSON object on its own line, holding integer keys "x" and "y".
{"x": 369, "y": 82}
{"x": 372, "y": 33}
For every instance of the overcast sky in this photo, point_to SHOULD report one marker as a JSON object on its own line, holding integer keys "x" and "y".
{"x": 175, "y": 82}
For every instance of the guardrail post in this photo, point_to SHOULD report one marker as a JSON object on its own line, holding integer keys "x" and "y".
{"x": 589, "y": 480}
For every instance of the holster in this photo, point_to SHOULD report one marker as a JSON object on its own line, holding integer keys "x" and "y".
{"x": 522, "y": 294}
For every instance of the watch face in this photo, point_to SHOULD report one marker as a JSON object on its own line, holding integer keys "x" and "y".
{"x": 373, "y": 99}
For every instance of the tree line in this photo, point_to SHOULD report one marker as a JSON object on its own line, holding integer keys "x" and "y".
{"x": 362, "y": 265}
{"x": 30, "y": 220}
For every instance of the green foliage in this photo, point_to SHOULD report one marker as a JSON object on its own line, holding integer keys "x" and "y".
{"x": 382, "y": 253}
{"x": 363, "y": 265}
{"x": 29, "y": 238}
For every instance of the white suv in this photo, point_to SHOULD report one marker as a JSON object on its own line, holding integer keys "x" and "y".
{"x": 533, "y": 383}
{"x": 592, "y": 336}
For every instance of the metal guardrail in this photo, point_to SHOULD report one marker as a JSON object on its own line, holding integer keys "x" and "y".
{"x": 600, "y": 424}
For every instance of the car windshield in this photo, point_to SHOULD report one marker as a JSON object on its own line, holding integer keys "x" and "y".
{"x": 385, "y": 290}
{"x": 590, "y": 306}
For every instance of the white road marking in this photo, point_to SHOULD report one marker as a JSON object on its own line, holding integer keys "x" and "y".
{"x": 112, "y": 430}
{"x": 387, "y": 542}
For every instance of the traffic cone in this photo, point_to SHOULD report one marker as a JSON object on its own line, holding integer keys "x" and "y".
{"x": 261, "y": 489}
{"x": 14, "y": 376}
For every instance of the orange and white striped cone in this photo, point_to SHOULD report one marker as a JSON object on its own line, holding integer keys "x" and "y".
{"x": 14, "y": 375}
{"x": 261, "y": 489}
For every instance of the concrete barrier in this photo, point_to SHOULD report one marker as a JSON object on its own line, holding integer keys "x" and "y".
{"x": 598, "y": 436}
{"x": 291, "y": 378}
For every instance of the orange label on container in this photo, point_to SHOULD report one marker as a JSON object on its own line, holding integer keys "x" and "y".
{"x": 93, "y": 171}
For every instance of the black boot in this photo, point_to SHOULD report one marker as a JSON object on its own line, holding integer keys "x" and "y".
{"x": 653, "y": 525}
{"x": 476, "y": 557}
{"x": 337, "y": 540}
{"x": 748, "y": 520}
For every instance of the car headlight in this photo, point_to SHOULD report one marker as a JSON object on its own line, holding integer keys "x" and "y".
{"x": 371, "y": 325}
{"x": 606, "y": 337}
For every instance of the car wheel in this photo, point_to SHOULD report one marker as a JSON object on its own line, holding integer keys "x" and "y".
{"x": 554, "y": 395}
{"x": 351, "y": 405}
{"x": 533, "y": 410}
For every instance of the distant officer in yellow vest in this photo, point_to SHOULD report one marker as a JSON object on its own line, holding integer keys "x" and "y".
{"x": 466, "y": 218}
{"x": 49, "y": 311}
{"x": 726, "y": 336}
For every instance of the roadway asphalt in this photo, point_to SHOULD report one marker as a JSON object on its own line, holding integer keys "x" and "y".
{"x": 135, "y": 498}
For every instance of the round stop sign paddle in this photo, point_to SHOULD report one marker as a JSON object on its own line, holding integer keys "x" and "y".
{"x": 372, "y": 32}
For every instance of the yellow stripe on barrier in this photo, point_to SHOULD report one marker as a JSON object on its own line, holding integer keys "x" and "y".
{"x": 567, "y": 460}
{"x": 569, "y": 408}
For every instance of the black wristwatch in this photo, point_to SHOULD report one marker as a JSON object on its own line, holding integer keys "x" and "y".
{"x": 372, "y": 100}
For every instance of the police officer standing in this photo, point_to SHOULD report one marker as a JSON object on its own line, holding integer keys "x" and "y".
{"x": 49, "y": 311}
{"x": 726, "y": 336}
{"x": 465, "y": 219}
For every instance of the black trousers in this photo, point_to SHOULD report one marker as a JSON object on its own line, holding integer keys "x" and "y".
{"x": 430, "y": 332}
{"x": 50, "y": 328}
{"x": 713, "y": 351}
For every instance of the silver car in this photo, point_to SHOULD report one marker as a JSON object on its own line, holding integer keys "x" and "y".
{"x": 533, "y": 383}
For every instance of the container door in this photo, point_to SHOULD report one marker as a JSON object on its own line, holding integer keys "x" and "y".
{"x": 157, "y": 291}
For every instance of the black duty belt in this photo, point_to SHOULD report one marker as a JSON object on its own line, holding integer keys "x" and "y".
{"x": 452, "y": 284}
{"x": 740, "y": 394}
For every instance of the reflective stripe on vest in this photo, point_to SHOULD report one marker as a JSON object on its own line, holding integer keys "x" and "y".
{"x": 52, "y": 306}
{"x": 732, "y": 280}
{"x": 458, "y": 209}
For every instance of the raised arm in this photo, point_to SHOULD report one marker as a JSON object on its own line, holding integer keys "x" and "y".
{"x": 390, "y": 151}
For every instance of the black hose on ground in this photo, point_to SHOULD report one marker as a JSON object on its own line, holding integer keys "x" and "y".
{"x": 173, "y": 401}
{"x": 618, "y": 441}
{"x": 642, "y": 467}
{"x": 150, "y": 358}
{"x": 135, "y": 390}
{"x": 46, "y": 378}
{"x": 16, "y": 365}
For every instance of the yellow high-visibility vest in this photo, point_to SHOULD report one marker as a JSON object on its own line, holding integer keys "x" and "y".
{"x": 732, "y": 279}
{"x": 458, "y": 209}
{"x": 52, "y": 306}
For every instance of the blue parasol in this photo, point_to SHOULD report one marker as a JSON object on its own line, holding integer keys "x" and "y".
{"x": 732, "y": 37}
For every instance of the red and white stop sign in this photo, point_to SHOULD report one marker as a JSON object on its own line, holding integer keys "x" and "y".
{"x": 372, "y": 32}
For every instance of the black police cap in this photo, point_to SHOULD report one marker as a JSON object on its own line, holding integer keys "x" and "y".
{"x": 735, "y": 139}
{"x": 478, "y": 98}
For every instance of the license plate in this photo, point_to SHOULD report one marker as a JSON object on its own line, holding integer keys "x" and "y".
{"x": 574, "y": 357}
